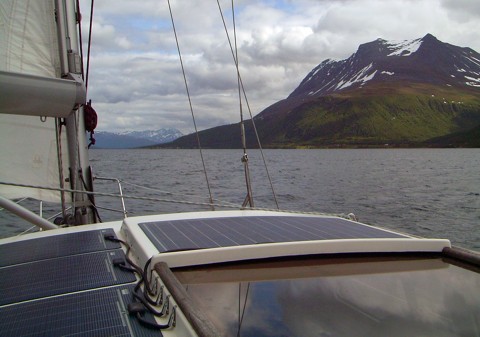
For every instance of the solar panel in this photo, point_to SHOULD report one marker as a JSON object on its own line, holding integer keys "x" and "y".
{"x": 94, "y": 313}
{"x": 61, "y": 275}
{"x": 55, "y": 246}
{"x": 234, "y": 231}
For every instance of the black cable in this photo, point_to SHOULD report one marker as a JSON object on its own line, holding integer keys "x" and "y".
{"x": 143, "y": 299}
{"x": 151, "y": 324}
{"x": 152, "y": 310}
{"x": 147, "y": 281}
{"x": 112, "y": 238}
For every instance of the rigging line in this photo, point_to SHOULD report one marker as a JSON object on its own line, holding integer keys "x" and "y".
{"x": 229, "y": 205}
{"x": 168, "y": 193}
{"x": 90, "y": 198}
{"x": 240, "y": 318}
{"x": 79, "y": 175}
{"x": 249, "y": 197}
{"x": 191, "y": 107}
{"x": 79, "y": 21}
{"x": 26, "y": 231}
{"x": 249, "y": 110}
{"x": 89, "y": 44}
{"x": 121, "y": 196}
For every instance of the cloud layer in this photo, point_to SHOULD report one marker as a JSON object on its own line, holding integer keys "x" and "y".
{"x": 136, "y": 81}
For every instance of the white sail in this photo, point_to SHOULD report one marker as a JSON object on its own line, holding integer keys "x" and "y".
{"x": 29, "y": 45}
{"x": 28, "y": 37}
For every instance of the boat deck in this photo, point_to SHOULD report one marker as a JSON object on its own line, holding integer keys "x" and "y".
{"x": 66, "y": 281}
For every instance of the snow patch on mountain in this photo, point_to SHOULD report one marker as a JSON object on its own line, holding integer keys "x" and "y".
{"x": 163, "y": 135}
{"x": 404, "y": 48}
{"x": 318, "y": 68}
{"x": 361, "y": 77}
{"x": 475, "y": 82}
{"x": 473, "y": 60}
{"x": 134, "y": 139}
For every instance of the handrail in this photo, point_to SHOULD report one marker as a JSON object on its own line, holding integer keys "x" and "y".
{"x": 125, "y": 213}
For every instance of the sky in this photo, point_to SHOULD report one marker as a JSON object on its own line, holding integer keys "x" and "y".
{"x": 135, "y": 78}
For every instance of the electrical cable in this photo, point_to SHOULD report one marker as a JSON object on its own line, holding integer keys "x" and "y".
{"x": 143, "y": 301}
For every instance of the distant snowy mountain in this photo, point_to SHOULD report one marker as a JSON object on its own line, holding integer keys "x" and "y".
{"x": 424, "y": 60}
{"x": 401, "y": 93}
{"x": 134, "y": 139}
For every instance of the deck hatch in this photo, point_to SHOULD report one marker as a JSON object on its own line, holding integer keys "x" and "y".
{"x": 178, "y": 235}
{"x": 61, "y": 275}
{"x": 100, "y": 312}
{"x": 55, "y": 246}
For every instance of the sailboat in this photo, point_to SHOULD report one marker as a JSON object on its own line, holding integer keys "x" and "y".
{"x": 244, "y": 272}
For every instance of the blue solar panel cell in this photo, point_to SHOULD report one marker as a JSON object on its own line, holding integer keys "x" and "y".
{"x": 61, "y": 275}
{"x": 56, "y": 246}
{"x": 94, "y": 313}
{"x": 235, "y": 231}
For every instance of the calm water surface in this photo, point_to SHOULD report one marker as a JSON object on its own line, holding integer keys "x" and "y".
{"x": 427, "y": 192}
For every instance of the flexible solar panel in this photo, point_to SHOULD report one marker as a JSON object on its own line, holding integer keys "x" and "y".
{"x": 177, "y": 235}
{"x": 61, "y": 275}
{"x": 55, "y": 246}
{"x": 100, "y": 312}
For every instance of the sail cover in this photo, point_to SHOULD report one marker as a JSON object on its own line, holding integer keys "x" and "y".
{"x": 28, "y": 146}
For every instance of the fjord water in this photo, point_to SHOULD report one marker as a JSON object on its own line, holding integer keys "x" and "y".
{"x": 425, "y": 192}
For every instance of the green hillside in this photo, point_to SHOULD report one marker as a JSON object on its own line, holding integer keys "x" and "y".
{"x": 408, "y": 117}
{"x": 405, "y": 116}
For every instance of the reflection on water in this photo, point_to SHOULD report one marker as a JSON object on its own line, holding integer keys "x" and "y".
{"x": 370, "y": 298}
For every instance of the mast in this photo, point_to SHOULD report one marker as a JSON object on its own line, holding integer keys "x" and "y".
{"x": 80, "y": 178}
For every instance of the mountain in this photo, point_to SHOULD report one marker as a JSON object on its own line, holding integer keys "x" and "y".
{"x": 398, "y": 93}
{"x": 424, "y": 60}
{"x": 133, "y": 139}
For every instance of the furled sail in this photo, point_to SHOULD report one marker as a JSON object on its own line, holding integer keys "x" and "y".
{"x": 28, "y": 147}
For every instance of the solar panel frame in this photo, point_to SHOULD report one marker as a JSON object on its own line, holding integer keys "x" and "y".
{"x": 179, "y": 235}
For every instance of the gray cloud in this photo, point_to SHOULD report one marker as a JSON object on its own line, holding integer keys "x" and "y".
{"x": 136, "y": 80}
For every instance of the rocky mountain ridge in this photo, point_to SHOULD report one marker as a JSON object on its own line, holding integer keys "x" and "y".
{"x": 401, "y": 93}
{"x": 426, "y": 60}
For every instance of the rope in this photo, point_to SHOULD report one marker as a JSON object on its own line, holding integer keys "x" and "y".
{"x": 89, "y": 44}
{"x": 190, "y": 104}
{"x": 249, "y": 197}
{"x": 249, "y": 109}
{"x": 79, "y": 21}
{"x": 240, "y": 316}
